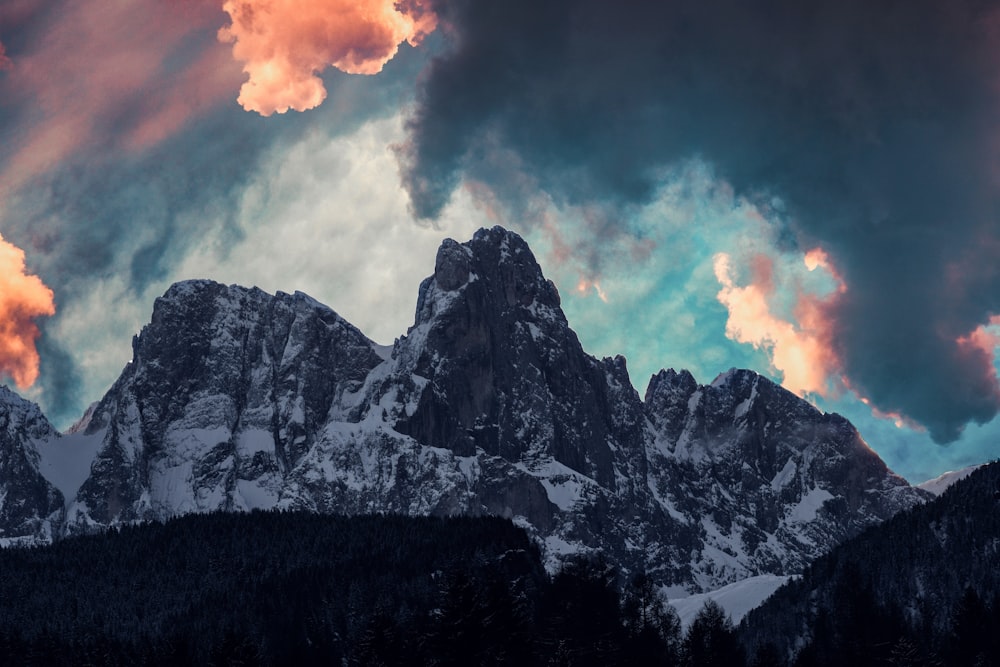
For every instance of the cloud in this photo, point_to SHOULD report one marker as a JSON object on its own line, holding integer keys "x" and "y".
{"x": 121, "y": 151}
{"x": 802, "y": 352}
{"x": 286, "y": 44}
{"x": 81, "y": 85}
{"x": 23, "y": 298}
{"x": 345, "y": 236}
{"x": 5, "y": 62}
{"x": 869, "y": 129}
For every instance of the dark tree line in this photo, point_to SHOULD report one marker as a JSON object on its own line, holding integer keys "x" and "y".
{"x": 299, "y": 588}
{"x": 921, "y": 589}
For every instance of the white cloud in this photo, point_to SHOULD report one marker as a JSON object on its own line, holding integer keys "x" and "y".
{"x": 325, "y": 216}
{"x": 328, "y": 217}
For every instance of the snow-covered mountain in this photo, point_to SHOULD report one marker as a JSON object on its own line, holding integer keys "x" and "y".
{"x": 29, "y": 503}
{"x": 925, "y": 581}
{"x": 237, "y": 399}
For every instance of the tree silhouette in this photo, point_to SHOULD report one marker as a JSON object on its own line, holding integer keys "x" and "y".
{"x": 711, "y": 640}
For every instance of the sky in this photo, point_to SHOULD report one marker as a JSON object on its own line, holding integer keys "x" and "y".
{"x": 809, "y": 190}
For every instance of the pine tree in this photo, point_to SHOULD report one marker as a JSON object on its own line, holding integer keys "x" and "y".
{"x": 971, "y": 631}
{"x": 582, "y": 616}
{"x": 711, "y": 640}
{"x": 653, "y": 627}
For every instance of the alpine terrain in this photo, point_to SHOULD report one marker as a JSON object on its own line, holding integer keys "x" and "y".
{"x": 236, "y": 399}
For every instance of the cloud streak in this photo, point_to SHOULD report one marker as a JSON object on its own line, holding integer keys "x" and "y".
{"x": 870, "y": 129}
{"x": 23, "y": 298}
{"x": 79, "y": 85}
{"x": 286, "y": 44}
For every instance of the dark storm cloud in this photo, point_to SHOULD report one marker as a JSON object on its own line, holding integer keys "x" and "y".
{"x": 874, "y": 121}
{"x": 61, "y": 380}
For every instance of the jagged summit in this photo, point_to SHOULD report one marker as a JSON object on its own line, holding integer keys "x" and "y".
{"x": 29, "y": 503}
{"x": 237, "y": 399}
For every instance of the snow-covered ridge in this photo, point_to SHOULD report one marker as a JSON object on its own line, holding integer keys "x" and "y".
{"x": 737, "y": 598}
{"x": 940, "y": 484}
{"x": 237, "y": 399}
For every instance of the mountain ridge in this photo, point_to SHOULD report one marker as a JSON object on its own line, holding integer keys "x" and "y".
{"x": 236, "y": 399}
{"x": 904, "y": 584}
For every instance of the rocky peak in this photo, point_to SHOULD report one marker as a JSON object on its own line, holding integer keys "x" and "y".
{"x": 22, "y": 418}
{"x": 28, "y": 502}
{"x": 666, "y": 401}
{"x": 222, "y": 375}
{"x": 497, "y": 269}
{"x": 237, "y": 399}
{"x": 505, "y": 372}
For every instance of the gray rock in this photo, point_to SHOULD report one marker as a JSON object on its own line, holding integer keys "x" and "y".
{"x": 29, "y": 503}
{"x": 236, "y": 399}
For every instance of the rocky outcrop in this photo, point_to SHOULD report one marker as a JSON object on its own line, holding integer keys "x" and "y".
{"x": 29, "y": 503}
{"x": 236, "y": 399}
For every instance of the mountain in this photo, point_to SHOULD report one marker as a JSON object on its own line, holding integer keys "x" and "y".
{"x": 29, "y": 503}
{"x": 236, "y": 399}
{"x": 923, "y": 586}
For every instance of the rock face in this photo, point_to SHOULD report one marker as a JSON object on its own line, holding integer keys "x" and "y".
{"x": 29, "y": 503}
{"x": 910, "y": 578}
{"x": 236, "y": 399}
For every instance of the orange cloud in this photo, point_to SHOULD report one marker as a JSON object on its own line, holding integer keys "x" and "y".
{"x": 818, "y": 259}
{"x": 898, "y": 419}
{"x": 585, "y": 286}
{"x": 285, "y": 44}
{"x": 802, "y": 352}
{"x": 982, "y": 342}
{"x": 22, "y": 298}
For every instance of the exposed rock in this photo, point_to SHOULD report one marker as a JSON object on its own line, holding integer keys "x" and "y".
{"x": 236, "y": 399}
{"x": 29, "y": 503}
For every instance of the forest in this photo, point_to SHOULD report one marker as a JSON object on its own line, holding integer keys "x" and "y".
{"x": 920, "y": 589}
{"x": 300, "y": 588}
{"x": 274, "y": 588}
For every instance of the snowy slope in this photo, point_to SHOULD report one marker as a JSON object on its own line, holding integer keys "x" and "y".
{"x": 236, "y": 399}
{"x": 938, "y": 485}
{"x": 736, "y": 598}
{"x": 65, "y": 460}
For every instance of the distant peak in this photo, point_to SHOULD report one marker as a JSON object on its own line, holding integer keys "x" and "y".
{"x": 498, "y": 236}
{"x": 738, "y": 376}
{"x": 669, "y": 380}
{"x": 12, "y": 398}
{"x": 502, "y": 267}
{"x": 671, "y": 376}
{"x": 941, "y": 483}
{"x": 195, "y": 290}
{"x": 186, "y": 288}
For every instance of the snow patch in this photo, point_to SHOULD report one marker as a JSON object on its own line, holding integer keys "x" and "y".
{"x": 784, "y": 476}
{"x": 66, "y": 460}
{"x": 251, "y": 441}
{"x": 938, "y": 485}
{"x": 564, "y": 492}
{"x": 737, "y": 599}
{"x": 805, "y": 510}
{"x": 723, "y": 378}
{"x": 744, "y": 406}
{"x": 256, "y": 494}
